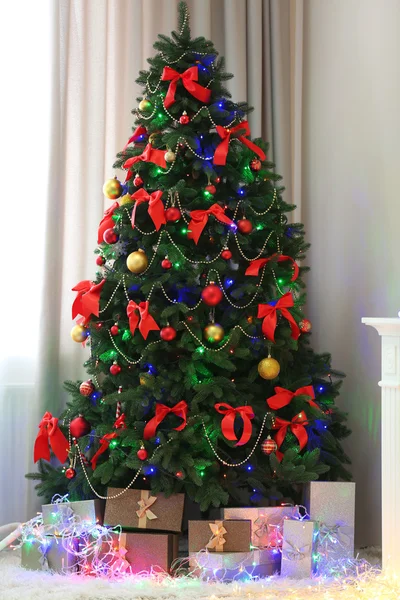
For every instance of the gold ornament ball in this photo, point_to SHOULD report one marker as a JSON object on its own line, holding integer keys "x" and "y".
{"x": 146, "y": 378}
{"x": 79, "y": 333}
{"x": 152, "y": 138}
{"x": 125, "y": 199}
{"x": 169, "y": 156}
{"x": 137, "y": 262}
{"x": 213, "y": 333}
{"x": 268, "y": 368}
{"x": 145, "y": 105}
{"x": 112, "y": 189}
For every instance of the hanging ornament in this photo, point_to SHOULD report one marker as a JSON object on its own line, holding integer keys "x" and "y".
{"x": 269, "y": 445}
{"x": 213, "y": 333}
{"x": 142, "y": 453}
{"x": 70, "y": 473}
{"x": 168, "y": 333}
{"x": 100, "y": 260}
{"x": 184, "y": 119}
{"x": 172, "y": 214}
{"x": 268, "y": 368}
{"x": 126, "y": 199}
{"x": 86, "y": 388}
{"x": 79, "y": 333}
{"x": 112, "y": 188}
{"x": 211, "y": 189}
{"x": 137, "y": 262}
{"x": 255, "y": 164}
{"x": 153, "y": 137}
{"x": 79, "y": 427}
{"x": 169, "y": 156}
{"x": 244, "y": 226}
{"x": 305, "y": 326}
{"x": 114, "y": 330}
{"x": 145, "y": 105}
{"x": 115, "y": 368}
{"x": 110, "y": 237}
{"x": 138, "y": 181}
{"x": 212, "y": 294}
{"x": 166, "y": 263}
{"x": 226, "y": 254}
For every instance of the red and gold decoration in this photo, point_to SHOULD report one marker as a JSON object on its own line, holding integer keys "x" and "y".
{"x": 245, "y": 226}
{"x": 166, "y": 263}
{"x": 145, "y": 105}
{"x": 212, "y": 294}
{"x": 70, "y": 473}
{"x": 156, "y": 206}
{"x": 172, "y": 214}
{"x": 189, "y": 80}
{"x": 50, "y": 435}
{"x": 148, "y": 155}
{"x": 137, "y": 261}
{"x": 230, "y": 413}
{"x": 180, "y": 410}
{"x": 225, "y": 134}
{"x": 87, "y": 300}
{"x": 107, "y": 222}
{"x": 142, "y": 453}
{"x": 284, "y": 397}
{"x": 79, "y": 427}
{"x": 137, "y": 181}
{"x": 305, "y": 326}
{"x": 110, "y": 236}
{"x": 199, "y": 219}
{"x": 138, "y": 133}
{"x": 268, "y": 446}
{"x": 255, "y": 164}
{"x": 167, "y": 334}
{"x": 213, "y": 333}
{"x": 184, "y": 119}
{"x": 256, "y": 265}
{"x": 268, "y": 312}
{"x": 296, "y": 426}
{"x": 115, "y": 368}
{"x": 112, "y": 188}
{"x": 114, "y": 329}
{"x": 86, "y": 388}
{"x": 169, "y": 156}
{"x": 269, "y": 368}
{"x": 226, "y": 254}
{"x": 139, "y": 317}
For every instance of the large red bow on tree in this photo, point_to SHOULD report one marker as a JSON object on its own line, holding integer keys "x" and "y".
{"x": 189, "y": 79}
{"x": 268, "y": 312}
{"x": 50, "y": 433}
{"x": 228, "y": 422}
{"x": 138, "y": 315}
{"x": 297, "y": 427}
{"x": 149, "y": 154}
{"x": 87, "y": 301}
{"x": 199, "y": 220}
{"x": 156, "y": 206}
{"x": 221, "y": 151}
{"x": 107, "y": 222}
{"x": 106, "y": 439}
{"x": 136, "y": 134}
{"x": 284, "y": 397}
{"x": 256, "y": 265}
{"x": 162, "y": 411}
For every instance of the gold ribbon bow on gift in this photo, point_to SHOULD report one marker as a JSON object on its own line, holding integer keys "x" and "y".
{"x": 295, "y": 553}
{"x": 217, "y": 541}
{"x": 144, "y": 512}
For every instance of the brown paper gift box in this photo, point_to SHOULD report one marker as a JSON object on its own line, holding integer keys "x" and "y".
{"x": 220, "y": 536}
{"x": 139, "y": 509}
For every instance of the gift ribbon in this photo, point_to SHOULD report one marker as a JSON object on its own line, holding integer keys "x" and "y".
{"x": 136, "y": 134}
{"x": 43, "y": 550}
{"x": 297, "y": 427}
{"x": 273, "y": 531}
{"x": 156, "y": 206}
{"x": 217, "y": 541}
{"x": 107, "y": 222}
{"x": 121, "y": 565}
{"x": 189, "y": 79}
{"x": 149, "y": 154}
{"x": 295, "y": 552}
{"x": 228, "y": 422}
{"x": 256, "y": 265}
{"x": 332, "y": 534}
{"x": 104, "y": 443}
{"x": 162, "y": 411}
{"x": 139, "y": 317}
{"x": 268, "y": 312}
{"x": 284, "y": 397}
{"x": 50, "y": 434}
{"x": 221, "y": 151}
{"x": 199, "y": 219}
{"x": 87, "y": 300}
{"x": 144, "y": 512}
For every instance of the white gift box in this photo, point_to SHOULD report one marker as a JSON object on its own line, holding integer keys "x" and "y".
{"x": 298, "y": 548}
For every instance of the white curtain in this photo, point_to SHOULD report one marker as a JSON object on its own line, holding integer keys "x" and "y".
{"x": 88, "y": 54}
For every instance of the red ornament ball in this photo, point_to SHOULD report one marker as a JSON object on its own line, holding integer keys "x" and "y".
{"x": 168, "y": 333}
{"x": 110, "y": 237}
{"x": 305, "y": 326}
{"x": 86, "y": 388}
{"x": 70, "y": 473}
{"x": 114, "y": 330}
{"x": 245, "y": 227}
{"x": 179, "y": 474}
{"x": 211, "y": 189}
{"x": 100, "y": 260}
{"x": 115, "y": 369}
{"x": 269, "y": 445}
{"x": 166, "y": 263}
{"x": 226, "y": 254}
{"x": 142, "y": 454}
{"x": 212, "y": 295}
{"x": 79, "y": 427}
{"x": 172, "y": 214}
{"x": 184, "y": 119}
{"x": 138, "y": 181}
{"x": 217, "y": 179}
{"x": 255, "y": 164}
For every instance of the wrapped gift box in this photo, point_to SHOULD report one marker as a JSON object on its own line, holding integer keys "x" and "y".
{"x": 139, "y": 509}
{"x": 332, "y": 504}
{"x": 50, "y": 553}
{"x": 55, "y": 515}
{"x": 267, "y": 522}
{"x": 220, "y": 536}
{"x": 298, "y": 548}
{"x": 229, "y": 566}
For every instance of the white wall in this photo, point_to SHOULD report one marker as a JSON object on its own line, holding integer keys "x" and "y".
{"x": 351, "y": 208}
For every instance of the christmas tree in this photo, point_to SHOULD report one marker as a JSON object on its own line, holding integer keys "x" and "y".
{"x": 202, "y": 378}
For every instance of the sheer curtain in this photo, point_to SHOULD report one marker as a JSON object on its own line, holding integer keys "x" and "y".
{"x": 76, "y": 89}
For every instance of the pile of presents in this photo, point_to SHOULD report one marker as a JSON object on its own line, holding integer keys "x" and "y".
{"x": 139, "y": 533}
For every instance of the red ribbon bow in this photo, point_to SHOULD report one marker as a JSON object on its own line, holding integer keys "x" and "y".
{"x": 149, "y": 154}
{"x": 136, "y": 134}
{"x": 189, "y": 79}
{"x": 256, "y": 265}
{"x": 87, "y": 300}
{"x": 221, "y": 151}
{"x": 297, "y": 427}
{"x": 162, "y": 411}
{"x": 120, "y": 422}
{"x": 107, "y": 222}
{"x": 144, "y": 320}
{"x": 50, "y": 433}
{"x": 228, "y": 422}
{"x": 268, "y": 312}
{"x": 156, "y": 206}
{"x": 199, "y": 220}
{"x": 104, "y": 443}
{"x": 284, "y": 397}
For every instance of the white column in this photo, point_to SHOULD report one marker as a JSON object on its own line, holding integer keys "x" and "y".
{"x": 389, "y": 329}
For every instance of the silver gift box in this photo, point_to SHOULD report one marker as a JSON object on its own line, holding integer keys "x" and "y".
{"x": 50, "y": 554}
{"x": 229, "y": 566}
{"x": 90, "y": 511}
{"x": 298, "y": 549}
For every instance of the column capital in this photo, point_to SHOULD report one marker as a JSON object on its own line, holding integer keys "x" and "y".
{"x": 384, "y": 326}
